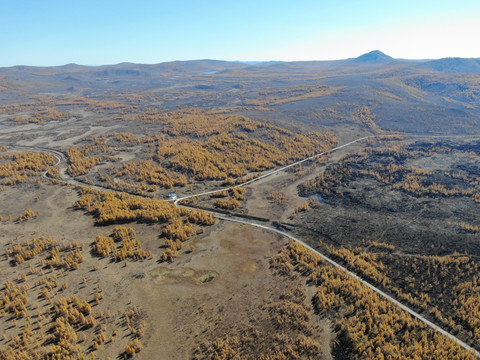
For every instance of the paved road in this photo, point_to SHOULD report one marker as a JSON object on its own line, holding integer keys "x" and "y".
{"x": 61, "y": 157}
{"x": 314, "y": 157}
{"x": 324, "y": 257}
{"x": 374, "y": 288}
{"x": 270, "y": 173}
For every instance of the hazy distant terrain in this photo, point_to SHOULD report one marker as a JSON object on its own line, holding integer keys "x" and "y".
{"x": 438, "y": 96}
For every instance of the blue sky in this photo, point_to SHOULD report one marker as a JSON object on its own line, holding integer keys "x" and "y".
{"x": 52, "y": 32}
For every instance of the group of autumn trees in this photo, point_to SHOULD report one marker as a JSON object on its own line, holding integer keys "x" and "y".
{"x": 446, "y": 287}
{"x": 289, "y": 94}
{"x": 432, "y": 283}
{"x": 65, "y": 256}
{"x": 41, "y": 115}
{"x": 44, "y": 319}
{"x": 115, "y": 207}
{"x": 234, "y": 194}
{"x": 192, "y": 146}
{"x": 286, "y": 333}
{"x": 130, "y": 246}
{"x": 43, "y": 323}
{"x": 48, "y": 109}
{"x": 389, "y": 166}
{"x": 81, "y": 157}
{"x": 370, "y": 326}
{"x": 232, "y": 146}
{"x": 23, "y": 167}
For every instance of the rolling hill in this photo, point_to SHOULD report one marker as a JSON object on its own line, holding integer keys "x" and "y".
{"x": 435, "y": 96}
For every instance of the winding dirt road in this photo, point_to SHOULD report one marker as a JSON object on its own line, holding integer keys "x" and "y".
{"x": 62, "y": 158}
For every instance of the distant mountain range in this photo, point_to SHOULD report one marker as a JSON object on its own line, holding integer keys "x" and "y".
{"x": 432, "y": 95}
{"x": 376, "y": 57}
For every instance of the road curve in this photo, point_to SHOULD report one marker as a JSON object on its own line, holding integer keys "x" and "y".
{"x": 58, "y": 155}
{"x": 352, "y": 274}
{"x": 61, "y": 157}
{"x": 65, "y": 177}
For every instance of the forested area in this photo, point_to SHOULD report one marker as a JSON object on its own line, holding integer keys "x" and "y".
{"x": 431, "y": 268}
{"x": 44, "y": 323}
{"x": 117, "y": 208}
{"x": 191, "y": 146}
{"x": 389, "y": 166}
{"x": 369, "y": 327}
{"x": 24, "y": 167}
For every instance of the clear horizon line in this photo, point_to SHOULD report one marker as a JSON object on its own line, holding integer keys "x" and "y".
{"x": 231, "y": 61}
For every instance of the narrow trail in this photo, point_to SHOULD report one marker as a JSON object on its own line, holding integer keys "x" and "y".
{"x": 62, "y": 158}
